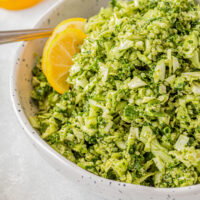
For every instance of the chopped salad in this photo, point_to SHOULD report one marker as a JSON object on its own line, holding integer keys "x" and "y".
{"x": 132, "y": 112}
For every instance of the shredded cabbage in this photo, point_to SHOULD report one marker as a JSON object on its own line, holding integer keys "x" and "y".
{"x": 132, "y": 113}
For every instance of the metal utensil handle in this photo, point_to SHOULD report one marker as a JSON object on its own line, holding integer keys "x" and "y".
{"x": 24, "y": 35}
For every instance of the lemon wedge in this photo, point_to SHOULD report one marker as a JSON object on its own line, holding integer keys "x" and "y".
{"x": 58, "y": 57}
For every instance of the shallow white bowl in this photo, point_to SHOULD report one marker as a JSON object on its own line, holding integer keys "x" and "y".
{"x": 20, "y": 94}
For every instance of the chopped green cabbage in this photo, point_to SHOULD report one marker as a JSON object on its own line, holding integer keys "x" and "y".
{"x": 132, "y": 113}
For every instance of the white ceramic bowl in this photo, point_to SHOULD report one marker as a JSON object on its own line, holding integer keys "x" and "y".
{"x": 20, "y": 93}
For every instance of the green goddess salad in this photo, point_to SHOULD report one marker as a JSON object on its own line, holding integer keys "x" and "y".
{"x": 132, "y": 112}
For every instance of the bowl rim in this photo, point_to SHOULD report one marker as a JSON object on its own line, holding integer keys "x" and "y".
{"x": 40, "y": 143}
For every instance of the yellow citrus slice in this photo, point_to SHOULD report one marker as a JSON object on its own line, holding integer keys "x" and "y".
{"x": 17, "y": 4}
{"x": 59, "y": 57}
{"x": 68, "y": 23}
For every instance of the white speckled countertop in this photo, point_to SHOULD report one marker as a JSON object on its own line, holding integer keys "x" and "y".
{"x": 24, "y": 175}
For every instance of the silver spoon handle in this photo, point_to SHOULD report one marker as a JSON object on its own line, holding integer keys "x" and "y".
{"x": 24, "y": 35}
